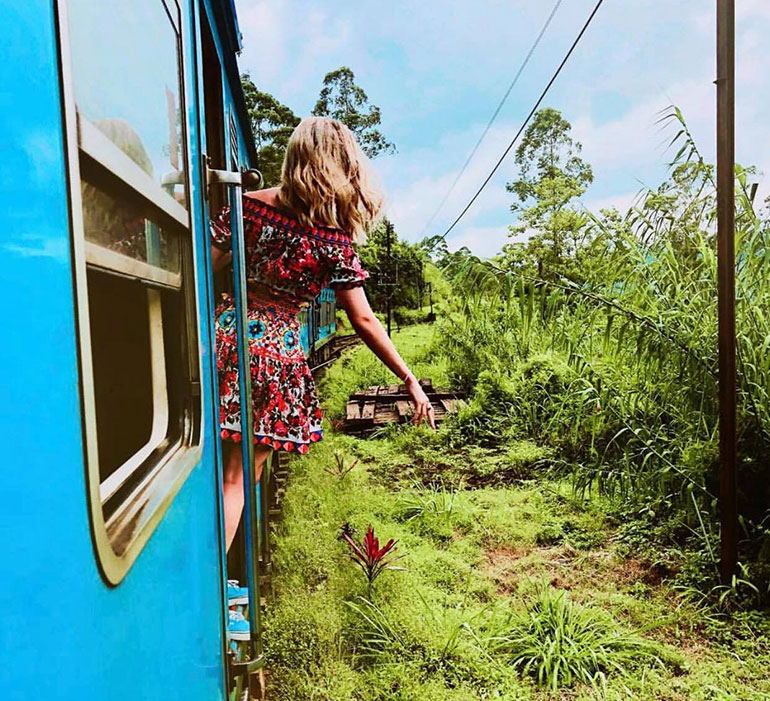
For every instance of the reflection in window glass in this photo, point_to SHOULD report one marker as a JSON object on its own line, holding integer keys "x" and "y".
{"x": 125, "y": 60}
{"x": 123, "y": 228}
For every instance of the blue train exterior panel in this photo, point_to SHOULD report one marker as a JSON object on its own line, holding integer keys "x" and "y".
{"x": 67, "y": 633}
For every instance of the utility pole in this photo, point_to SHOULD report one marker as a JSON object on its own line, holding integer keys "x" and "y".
{"x": 389, "y": 233}
{"x": 420, "y": 285}
{"x": 728, "y": 453}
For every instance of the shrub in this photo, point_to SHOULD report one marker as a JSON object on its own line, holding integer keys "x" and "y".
{"x": 488, "y": 417}
{"x": 560, "y": 643}
{"x": 370, "y": 557}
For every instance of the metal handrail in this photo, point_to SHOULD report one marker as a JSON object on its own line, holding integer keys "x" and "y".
{"x": 252, "y": 526}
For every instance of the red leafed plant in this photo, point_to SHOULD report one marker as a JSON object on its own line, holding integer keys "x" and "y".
{"x": 370, "y": 557}
{"x": 341, "y": 470}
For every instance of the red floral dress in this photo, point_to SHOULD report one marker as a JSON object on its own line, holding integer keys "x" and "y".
{"x": 287, "y": 265}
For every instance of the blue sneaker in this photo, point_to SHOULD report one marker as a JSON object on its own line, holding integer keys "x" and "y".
{"x": 236, "y": 594}
{"x": 238, "y": 627}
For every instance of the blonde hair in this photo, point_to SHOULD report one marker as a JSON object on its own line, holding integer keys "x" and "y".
{"x": 326, "y": 179}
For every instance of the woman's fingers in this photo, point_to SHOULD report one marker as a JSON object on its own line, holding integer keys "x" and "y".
{"x": 423, "y": 411}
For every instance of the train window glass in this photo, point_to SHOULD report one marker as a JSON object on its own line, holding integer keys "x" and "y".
{"x": 121, "y": 316}
{"x": 136, "y": 280}
{"x": 126, "y": 69}
{"x": 124, "y": 235}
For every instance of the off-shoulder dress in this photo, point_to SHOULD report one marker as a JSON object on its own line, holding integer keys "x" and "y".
{"x": 287, "y": 265}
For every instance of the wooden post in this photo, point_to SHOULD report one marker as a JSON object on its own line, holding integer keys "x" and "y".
{"x": 389, "y": 232}
{"x": 728, "y": 458}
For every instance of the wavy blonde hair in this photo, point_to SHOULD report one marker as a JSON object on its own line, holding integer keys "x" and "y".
{"x": 326, "y": 178}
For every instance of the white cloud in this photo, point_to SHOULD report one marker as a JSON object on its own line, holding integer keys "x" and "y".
{"x": 636, "y": 141}
{"x": 622, "y": 202}
{"x": 419, "y": 181}
{"x": 272, "y": 32}
{"x": 484, "y": 241}
{"x": 437, "y": 69}
{"x": 263, "y": 26}
{"x": 752, "y": 9}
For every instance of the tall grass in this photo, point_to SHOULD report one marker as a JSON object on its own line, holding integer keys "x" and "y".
{"x": 560, "y": 643}
{"x": 637, "y": 418}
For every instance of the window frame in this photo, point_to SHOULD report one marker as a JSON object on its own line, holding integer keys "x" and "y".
{"x": 120, "y": 538}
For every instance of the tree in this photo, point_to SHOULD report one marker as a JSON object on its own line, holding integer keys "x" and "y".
{"x": 272, "y": 124}
{"x": 435, "y": 247}
{"x": 399, "y": 275}
{"x": 551, "y": 176}
{"x": 342, "y": 99}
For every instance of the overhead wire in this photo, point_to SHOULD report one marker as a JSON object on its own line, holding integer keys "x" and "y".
{"x": 526, "y": 121}
{"x": 502, "y": 102}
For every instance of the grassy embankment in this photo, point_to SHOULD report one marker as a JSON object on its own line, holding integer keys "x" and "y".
{"x": 499, "y": 562}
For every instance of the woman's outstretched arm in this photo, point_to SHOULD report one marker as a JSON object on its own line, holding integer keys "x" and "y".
{"x": 369, "y": 328}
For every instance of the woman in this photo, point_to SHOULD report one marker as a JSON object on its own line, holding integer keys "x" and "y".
{"x": 299, "y": 238}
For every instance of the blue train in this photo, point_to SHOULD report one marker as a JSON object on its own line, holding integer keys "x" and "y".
{"x": 124, "y": 126}
{"x": 319, "y": 326}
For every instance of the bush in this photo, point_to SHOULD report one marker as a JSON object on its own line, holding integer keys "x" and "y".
{"x": 560, "y": 643}
{"x": 293, "y": 636}
{"x": 488, "y": 417}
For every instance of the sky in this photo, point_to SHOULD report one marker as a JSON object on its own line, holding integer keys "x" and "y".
{"x": 438, "y": 68}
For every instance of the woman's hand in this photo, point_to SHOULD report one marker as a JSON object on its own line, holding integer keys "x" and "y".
{"x": 423, "y": 409}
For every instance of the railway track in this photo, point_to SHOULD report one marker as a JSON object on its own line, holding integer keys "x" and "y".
{"x": 330, "y": 351}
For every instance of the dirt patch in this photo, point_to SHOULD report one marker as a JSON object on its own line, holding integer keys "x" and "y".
{"x": 504, "y": 556}
{"x": 585, "y": 573}
{"x": 631, "y": 570}
{"x": 568, "y": 568}
{"x": 507, "y": 566}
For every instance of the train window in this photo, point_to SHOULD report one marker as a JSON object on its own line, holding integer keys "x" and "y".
{"x": 120, "y": 236}
{"x": 122, "y": 73}
{"x": 126, "y": 69}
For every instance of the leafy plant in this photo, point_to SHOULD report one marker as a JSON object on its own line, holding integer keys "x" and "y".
{"x": 380, "y": 636}
{"x": 340, "y": 470}
{"x": 561, "y": 643}
{"x": 422, "y": 500}
{"x": 372, "y": 558}
{"x": 636, "y": 414}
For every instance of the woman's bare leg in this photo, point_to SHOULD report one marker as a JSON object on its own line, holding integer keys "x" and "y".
{"x": 232, "y": 489}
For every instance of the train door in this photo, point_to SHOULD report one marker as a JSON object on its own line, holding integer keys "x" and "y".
{"x": 224, "y": 186}
{"x": 126, "y": 75}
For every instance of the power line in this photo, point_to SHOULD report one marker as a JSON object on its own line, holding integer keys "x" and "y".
{"x": 494, "y": 116}
{"x": 529, "y": 117}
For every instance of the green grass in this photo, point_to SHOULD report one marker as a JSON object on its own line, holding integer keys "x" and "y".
{"x": 496, "y": 576}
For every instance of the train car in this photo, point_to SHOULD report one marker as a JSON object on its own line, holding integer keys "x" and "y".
{"x": 124, "y": 127}
{"x": 318, "y": 328}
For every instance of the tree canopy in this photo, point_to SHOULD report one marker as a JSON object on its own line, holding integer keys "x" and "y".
{"x": 400, "y": 275}
{"x": 342, "y": 99}
{"x": 551, "y": 175}
{"x": 272, "y": 123}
